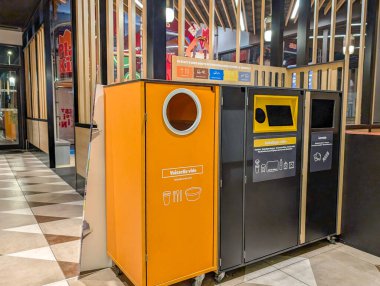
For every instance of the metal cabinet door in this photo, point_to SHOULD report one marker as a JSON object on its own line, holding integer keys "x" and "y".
{"x": 271, "y": 206}
{"x": 232, "y": 176}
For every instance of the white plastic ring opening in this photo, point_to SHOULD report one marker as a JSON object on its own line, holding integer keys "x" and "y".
{"x": 190, "y": 125}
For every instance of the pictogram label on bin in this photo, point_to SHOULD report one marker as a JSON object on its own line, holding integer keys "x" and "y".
{"x": 182, "y": 171}
{"x": 274, "y": 158}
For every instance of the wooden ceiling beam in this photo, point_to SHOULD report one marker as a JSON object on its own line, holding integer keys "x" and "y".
{"x": 227, "y": 14}
{"x": 328, "y": 7}
{"x": 244, "y": 15}
{"x": 191, "y": 15}
{"x": 291, "y": 6}
{"x": 186, "y": 19}
{"x": 234, "y": 7}
{"x": 321, "y": 4}
{"x": 199, "y": 13}
{"x": 216, "y": 12}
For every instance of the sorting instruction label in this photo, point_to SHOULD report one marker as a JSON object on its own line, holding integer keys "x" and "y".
{"x": 274, "y": 158}
{"x": 321, "y": 151}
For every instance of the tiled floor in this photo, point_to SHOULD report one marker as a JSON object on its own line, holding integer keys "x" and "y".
{"x": 320, "y": 264}
{"x": 40, "y": 224}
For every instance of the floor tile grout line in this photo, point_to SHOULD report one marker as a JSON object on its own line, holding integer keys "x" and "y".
{"x": 296, "y": 278}
{"x": 64, "y": 276}
{"x": 358, "y": 257}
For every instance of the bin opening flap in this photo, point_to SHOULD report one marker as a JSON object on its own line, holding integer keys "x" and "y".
{"x": 322, "y": 113}
{"x": 279, "y": 115}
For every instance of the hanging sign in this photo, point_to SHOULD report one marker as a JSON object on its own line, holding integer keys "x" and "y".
{"x": 65, "y": 54}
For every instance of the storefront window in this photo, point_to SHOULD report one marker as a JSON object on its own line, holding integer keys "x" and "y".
{"x": 9, "y": 55}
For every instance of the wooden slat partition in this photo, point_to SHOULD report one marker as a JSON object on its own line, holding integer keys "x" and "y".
{"x": 33, "y": 78}
{"x": 28, "y": 92}
{"x": 87, "y": 50}
{"x": 41, "y": 74}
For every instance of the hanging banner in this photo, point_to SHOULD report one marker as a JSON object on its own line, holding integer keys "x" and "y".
{"x": 65, "y": 55}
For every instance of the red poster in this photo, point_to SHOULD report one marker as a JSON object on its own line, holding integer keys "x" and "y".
{"x": 64, "y": 54}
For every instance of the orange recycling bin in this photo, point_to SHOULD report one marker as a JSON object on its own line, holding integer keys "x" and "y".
{"x": 161, "y": 180}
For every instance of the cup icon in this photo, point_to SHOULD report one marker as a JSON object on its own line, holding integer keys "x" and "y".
{"x": 166, "y": 197}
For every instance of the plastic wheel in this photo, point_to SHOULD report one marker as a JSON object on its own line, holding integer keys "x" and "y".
{"x": 220, "y": 276}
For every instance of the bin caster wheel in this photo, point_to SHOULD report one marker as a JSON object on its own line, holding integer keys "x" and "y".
{"x": 117, "y": 270}
{"x": 332, "y": 239}
{"x": 219, "y": 276}
{"x": 198, "y": 280}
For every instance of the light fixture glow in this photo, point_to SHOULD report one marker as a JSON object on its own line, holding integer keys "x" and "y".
{"x": 351, "y": 47}
{"x": 12, "y": 81}
{"x": 242, "y": 25}
{"x": 10, "y": 53}
{"x": 169, "y": 15}
{"x": 138, "y": 3}
{"x": 295, "y": 10}
{"x": 268, "y": 36}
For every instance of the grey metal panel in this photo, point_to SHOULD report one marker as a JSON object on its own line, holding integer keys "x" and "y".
{"x": 271, "y": 207}
{"x": 322, "y": 186}
{"x": 232, "y": 174}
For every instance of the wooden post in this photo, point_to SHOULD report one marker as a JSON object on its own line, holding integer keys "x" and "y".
{"x": 131, "y": 39}
{"x": 110, "y": 44}
{"x": 346, "y": 83}
{"x": 120, "y": 39}
{"x": 262, "y": 28}
{"x": 359, "y": 92}
{"x": 315, "y": 34}
{"x": 238, "y": 31}
{"x": 181, "y": 27}
{"x": 332, "y": 31}
{"x": 211, "y": 28}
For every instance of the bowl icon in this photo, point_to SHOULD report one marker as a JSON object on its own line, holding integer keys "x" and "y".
{"x": 193, "y": 194}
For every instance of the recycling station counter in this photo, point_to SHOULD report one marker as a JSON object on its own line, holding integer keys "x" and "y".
{"x": 203, "y": 178}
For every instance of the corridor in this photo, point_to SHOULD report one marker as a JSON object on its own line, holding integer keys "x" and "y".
{"x": 40, "y": 224}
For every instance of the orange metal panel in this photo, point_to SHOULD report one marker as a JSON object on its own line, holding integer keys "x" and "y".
{"x": 125, "y": 178}
{"x": 181, "y": 207}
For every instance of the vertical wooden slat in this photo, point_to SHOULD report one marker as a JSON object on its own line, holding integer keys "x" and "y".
{"x": 92, "y": 23}
{"x": 346, "y": 83}
{"x": 98, "y": 45}
{"x": 27, "y": 81}
{"x": 305, "y": 164}
{"x": 315, "y": 34}
{"x": 262, "y": 25}
{"x": 33, "y": 69}
{"x": 332, "y": 30}
{"x": 181, "y": 27}
{"x": 315, "y": 79}
{"x": 110, "y": 43}
{"x": 80, "y": 55}
{"x": 253, "y": 17}
{"x": 86, "y": 63}
{"x": 324, "y": 80}
{"x": 145, "y": 40}
{"x": 238, "y": 31}
{"x": 211, "y": 28}
{"x": 120, "y": 39}
{"x": 132, "y": 38}
{"x": 359, "y": 91}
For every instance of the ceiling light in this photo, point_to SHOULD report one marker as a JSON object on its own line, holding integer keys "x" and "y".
{"x": 169, "y": 15}
{"x": 268, "y": 36}
{"x": 295, "y": 10}
{"x": 12, "y": 81}
{"x": 242, "y": 26}
{"x": 169, "y": 11}
{"x": 268, "y": 29}
{"x": 138, "y": 3}
{"x": 351, "y": 47}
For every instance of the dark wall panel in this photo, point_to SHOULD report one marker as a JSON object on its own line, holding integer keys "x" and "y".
{"x": 361, "y": 197}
